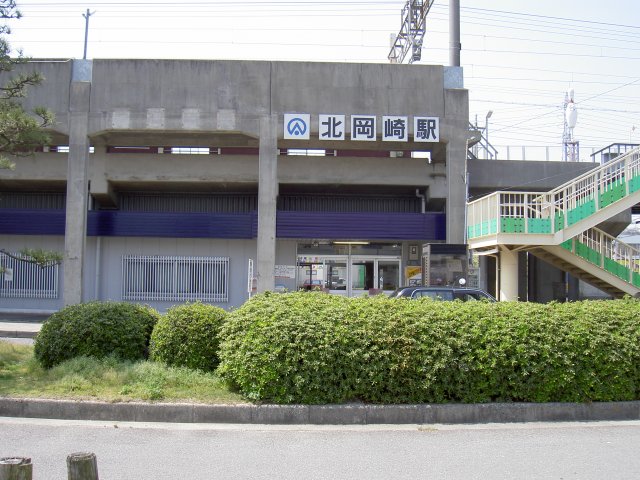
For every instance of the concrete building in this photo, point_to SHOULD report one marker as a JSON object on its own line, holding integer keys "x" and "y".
{"x": 170, "y": 181}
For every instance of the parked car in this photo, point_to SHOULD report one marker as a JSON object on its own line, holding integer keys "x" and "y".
{"x": 312, "y": 285}
{"x": 443, "y": 293}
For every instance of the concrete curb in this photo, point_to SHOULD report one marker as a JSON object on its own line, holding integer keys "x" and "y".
{"x": 350, "y": 414}
{"x": 17, "y": 334}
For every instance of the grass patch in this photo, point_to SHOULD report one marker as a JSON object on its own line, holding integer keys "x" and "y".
{"x": 106, "y": 379}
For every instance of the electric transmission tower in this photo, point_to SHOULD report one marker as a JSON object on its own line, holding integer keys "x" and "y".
{"x": 412, "y": 30}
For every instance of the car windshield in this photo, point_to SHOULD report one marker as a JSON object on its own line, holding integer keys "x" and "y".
{"x": 435, "y": 294}
{"x": 442, "y": 293}
{"x": 470, "y": 296}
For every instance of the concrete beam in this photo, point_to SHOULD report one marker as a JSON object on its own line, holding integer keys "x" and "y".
{"x": 101, "y": 188}
{"x": 492, "y": 175}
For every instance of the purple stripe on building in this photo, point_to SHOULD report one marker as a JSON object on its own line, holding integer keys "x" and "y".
{"x": 173, "y": 225}
{"x": 31, "y": 222}
{"x": 371, "y": 226}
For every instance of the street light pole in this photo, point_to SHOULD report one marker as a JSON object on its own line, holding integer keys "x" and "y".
{"x": 486, "y": 125}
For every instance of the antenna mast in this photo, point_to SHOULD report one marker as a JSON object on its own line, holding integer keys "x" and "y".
{"x": 570, "y": 146}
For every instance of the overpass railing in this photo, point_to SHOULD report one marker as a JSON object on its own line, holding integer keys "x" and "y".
{"x": 566, "y": 205}
{"x": 541, "y": 153}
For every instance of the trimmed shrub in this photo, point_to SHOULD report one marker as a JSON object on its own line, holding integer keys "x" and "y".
{"x": 286, "y": 348}
{"x": 318, "y": 348}
{"x": 188, "y": 336}
{"x": 96, "y": 329}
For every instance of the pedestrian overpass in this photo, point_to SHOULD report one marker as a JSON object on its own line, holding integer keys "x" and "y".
{"x": 559, "y": 227}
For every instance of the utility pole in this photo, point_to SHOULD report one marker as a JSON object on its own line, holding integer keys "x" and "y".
{"x": 86, "y": 31}
{"x": 454, "y": 33}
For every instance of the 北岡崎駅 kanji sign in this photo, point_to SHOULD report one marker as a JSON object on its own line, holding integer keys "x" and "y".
{"x": 364, "y": 128}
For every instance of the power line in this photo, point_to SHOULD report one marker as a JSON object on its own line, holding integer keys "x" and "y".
{"x": 573, "y": 20}
{"x": 599, "y": 74}
{"x": 609, "y": 91}
{"x": 515, "y": 28}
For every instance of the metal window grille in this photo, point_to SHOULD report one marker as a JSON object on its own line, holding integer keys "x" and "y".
{"x": 188, "y": 202}
{"x": 20, "y": 279}
{"x": 175, "y": 278}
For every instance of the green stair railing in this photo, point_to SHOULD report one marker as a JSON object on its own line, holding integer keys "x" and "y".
{"x": 608, "y": 253}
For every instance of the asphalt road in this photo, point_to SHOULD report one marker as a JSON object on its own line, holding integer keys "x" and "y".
{"x": 601, "y": 450}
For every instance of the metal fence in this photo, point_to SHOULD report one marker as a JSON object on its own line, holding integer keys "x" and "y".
{"x": 541, "y": 153}
{"x": 175, "y": 278}
{"x": 21, "y": 279}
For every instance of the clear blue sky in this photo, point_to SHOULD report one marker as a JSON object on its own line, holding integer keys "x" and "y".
{"x": 519, "y": 58}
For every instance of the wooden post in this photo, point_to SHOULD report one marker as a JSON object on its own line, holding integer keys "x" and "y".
{"x": 16, "y": 468}
{"x": 82, "y": 466}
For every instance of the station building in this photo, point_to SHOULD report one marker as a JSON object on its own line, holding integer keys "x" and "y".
{"x": 174, "y": 180}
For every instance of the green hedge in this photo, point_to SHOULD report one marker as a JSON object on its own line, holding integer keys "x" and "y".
{"x": 318, "y": 348}
{"x": 96, "y": 329}
{"x": 187, "y": 336}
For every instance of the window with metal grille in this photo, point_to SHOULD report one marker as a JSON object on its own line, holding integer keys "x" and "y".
{"x": 175, "y": 278}
{"x": 21, "y": 279}
{"x": 190, "y": 150}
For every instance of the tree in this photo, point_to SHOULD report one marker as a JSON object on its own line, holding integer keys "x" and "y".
{"x": 21, "y": 132}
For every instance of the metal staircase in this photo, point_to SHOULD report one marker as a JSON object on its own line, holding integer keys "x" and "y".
{"x": 559, "y": 226}
{"x": 479, "y": 146}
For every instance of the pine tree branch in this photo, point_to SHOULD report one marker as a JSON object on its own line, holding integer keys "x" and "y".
{"x": 17, "y": 87}
{"x": 21, "y": 132}
{"x": 42, "y": 258}
{"x": 8, "y": 9}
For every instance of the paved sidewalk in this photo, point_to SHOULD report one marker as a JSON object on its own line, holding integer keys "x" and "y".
{"x": 19, "y": 329}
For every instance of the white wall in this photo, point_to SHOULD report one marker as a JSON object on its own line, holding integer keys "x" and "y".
{"x": 113, "y": 248}
{"x": 15, "y": 243}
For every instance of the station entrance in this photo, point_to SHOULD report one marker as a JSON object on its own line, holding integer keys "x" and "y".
{"x": 349, "y": 269}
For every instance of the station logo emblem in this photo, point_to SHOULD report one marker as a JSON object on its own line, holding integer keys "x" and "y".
{"x": 297, "y": 126}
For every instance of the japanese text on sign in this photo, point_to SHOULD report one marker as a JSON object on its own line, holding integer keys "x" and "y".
{"x": 426, "y": 129}
{"x": 331, "y": 127}
{"x": 395, "y": 129}
{"x": 297, "y": 126}
{"x": 363, "y": 127}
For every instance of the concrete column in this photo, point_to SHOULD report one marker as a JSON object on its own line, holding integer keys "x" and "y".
{"x": 456, "y": 190}
{"x": 523, "y": 276}
{"x": 77, "y": 187}
{"x": 573, "y": 288}
{"x": 454, "y": 131}
{"x": 508, "y": 275}
{"x": 267, "y": 202}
